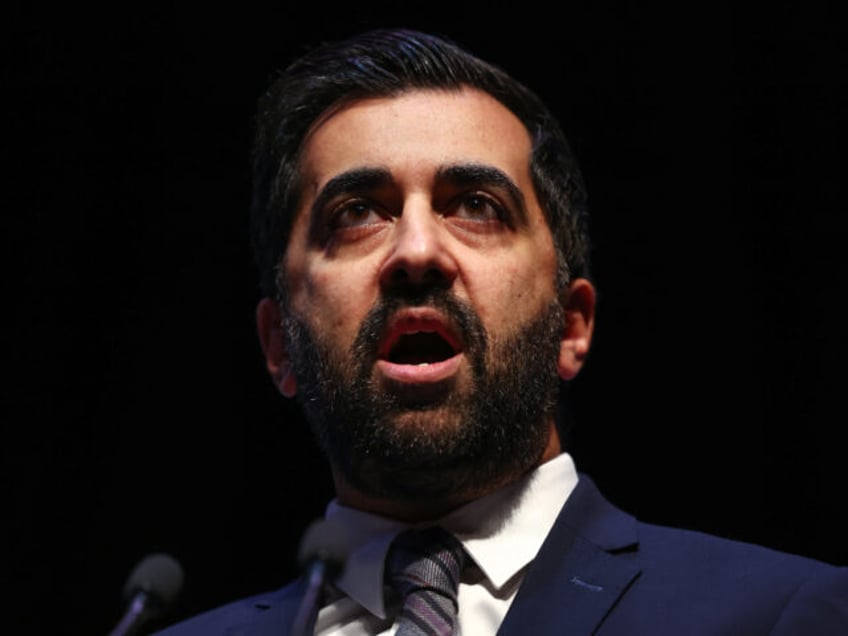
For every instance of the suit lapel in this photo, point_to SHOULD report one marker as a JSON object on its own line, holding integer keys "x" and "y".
{"x": 582, "y": 569}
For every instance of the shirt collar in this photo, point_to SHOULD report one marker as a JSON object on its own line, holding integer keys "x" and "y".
{"x": 502, "y": 531}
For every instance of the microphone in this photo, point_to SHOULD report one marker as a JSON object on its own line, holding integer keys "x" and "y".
{"x": 322, "y": 553}
{"x": 152, "y": 586}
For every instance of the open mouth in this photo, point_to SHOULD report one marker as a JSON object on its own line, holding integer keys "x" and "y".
{"x": 420, "y": 348}
{"x": 420, "y": 356}
{"x": 419, "y": 340}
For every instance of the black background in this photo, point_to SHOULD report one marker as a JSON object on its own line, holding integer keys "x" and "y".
{"x": 137, "y": 415}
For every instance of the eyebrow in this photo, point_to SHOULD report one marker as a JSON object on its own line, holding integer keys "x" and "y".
{"x": 479, "y": 174}
{"x": 357, "y": 179}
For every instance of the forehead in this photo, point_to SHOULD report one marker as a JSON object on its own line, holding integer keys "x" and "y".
{"x": 416, "y": 132}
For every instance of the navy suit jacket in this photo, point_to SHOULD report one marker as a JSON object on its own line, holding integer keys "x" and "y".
{"x": 600, "y": 571}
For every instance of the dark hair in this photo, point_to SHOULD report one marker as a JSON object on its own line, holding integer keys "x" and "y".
{"x": 388, "y": 62}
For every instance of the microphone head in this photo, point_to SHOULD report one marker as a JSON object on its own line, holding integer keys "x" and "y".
{"x": 323, "y": 541}
{"x": 159, "y": 576}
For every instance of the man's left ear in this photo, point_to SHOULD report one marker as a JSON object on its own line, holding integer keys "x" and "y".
{"x": 577, "y": 332}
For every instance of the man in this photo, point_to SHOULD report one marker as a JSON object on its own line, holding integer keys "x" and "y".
{"x": 420, "y": 226}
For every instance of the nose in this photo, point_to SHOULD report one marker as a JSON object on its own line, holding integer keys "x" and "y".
{"x": 420, "y": 254}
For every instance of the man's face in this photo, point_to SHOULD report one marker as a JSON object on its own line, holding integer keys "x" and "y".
{"x": 423, "y": 319}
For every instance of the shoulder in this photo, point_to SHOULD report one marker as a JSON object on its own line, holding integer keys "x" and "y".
{"x": 242, "y": 617}
{"x": 733, "y": 584}
{"x": 736, "y": 563}
{"x": 590, "y": 515}
{"x": 719, "y": 583}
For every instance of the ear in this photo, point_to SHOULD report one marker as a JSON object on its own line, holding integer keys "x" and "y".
{"x": 577, "y": 332}
{"x": 272, "y": 338}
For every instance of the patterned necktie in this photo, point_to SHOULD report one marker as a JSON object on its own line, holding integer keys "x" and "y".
{"x": 424, "y": 567}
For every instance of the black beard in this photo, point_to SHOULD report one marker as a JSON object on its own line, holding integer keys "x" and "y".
{"x": 463, "y": 445}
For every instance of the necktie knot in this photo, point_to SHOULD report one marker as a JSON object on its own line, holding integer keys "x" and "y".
{"x": 424, "y": 567}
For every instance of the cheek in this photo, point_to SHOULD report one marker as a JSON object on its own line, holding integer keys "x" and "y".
{"x": 515, "y": 291}
{"x": 331, "y": 302}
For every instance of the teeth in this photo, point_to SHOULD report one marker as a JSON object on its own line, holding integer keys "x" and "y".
{"x": 423, "y": 364}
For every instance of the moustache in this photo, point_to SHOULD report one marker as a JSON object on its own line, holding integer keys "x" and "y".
{"x": 462, "y": 317}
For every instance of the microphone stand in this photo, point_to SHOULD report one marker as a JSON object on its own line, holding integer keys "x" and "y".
{"x": 307, "y": 613}
{"x": 133, "y": 617}
{"x": 323, "y": 551}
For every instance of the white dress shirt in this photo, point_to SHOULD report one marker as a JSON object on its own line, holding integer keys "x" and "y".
{"x": 501, "y": 532}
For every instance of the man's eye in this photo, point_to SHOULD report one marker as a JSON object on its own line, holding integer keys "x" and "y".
{"x": 354, "y": 214}
{"x": 478, "y": 207}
